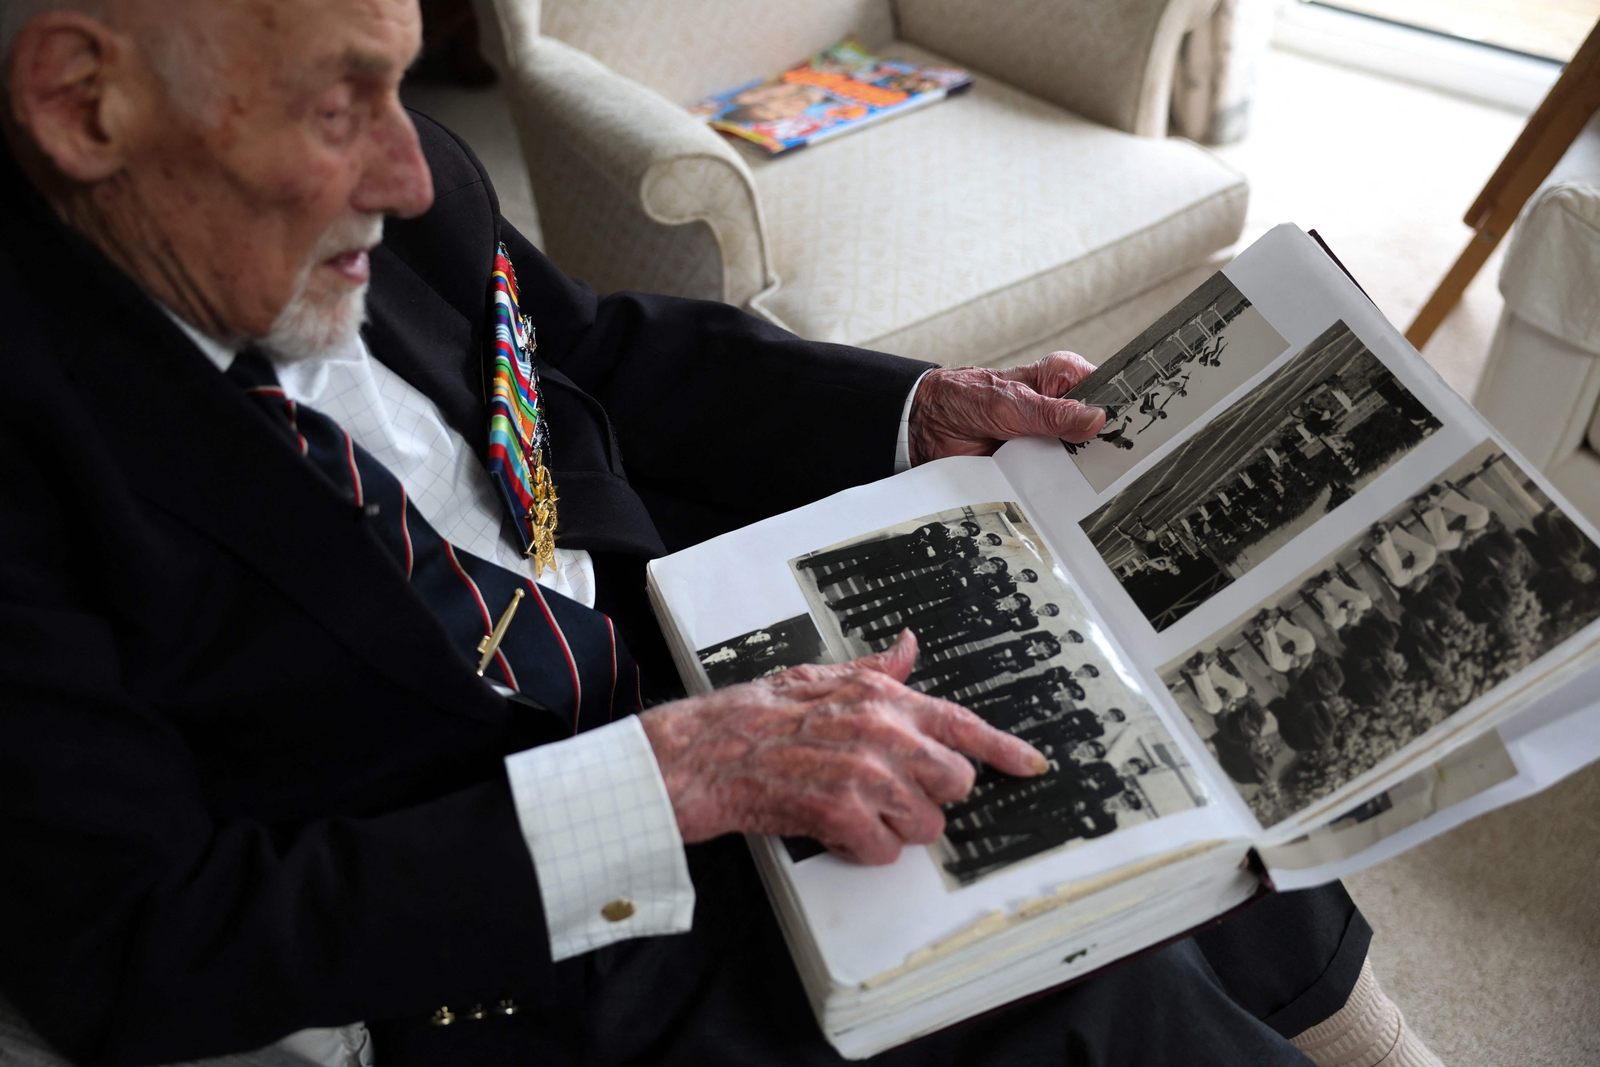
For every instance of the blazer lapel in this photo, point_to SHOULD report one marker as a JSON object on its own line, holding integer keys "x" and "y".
{"x": 192, "y": 444}
{"x": 429, "y": 342}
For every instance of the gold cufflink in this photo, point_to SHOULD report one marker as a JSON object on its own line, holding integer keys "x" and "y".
{"x": 618, "y": 909}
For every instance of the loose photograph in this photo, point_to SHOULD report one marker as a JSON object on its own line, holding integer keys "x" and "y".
{"x": 1000, "y": 632}
{"x": 1463, "y": 774}
{"x": 1450, "y": 594}
{"x": 1297, "y": 446}
{"x": 1170, "y": 375}
{"x": 762, "y": 652}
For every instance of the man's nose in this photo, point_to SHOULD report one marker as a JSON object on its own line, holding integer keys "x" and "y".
{"x": 396, "y": 180}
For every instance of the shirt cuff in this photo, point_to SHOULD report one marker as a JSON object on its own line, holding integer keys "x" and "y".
{"x": 902, "y": 443}
{"x": 595, "y": 813}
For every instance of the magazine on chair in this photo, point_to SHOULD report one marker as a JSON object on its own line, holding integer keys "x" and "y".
{"x": 1297, "y": 608}
{"x": 839, "y": 89}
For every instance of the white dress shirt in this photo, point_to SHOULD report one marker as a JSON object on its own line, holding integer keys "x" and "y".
{"x": 594, "y": 808}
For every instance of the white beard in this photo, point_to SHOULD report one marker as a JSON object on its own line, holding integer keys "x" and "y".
{"x": 313, "y": 325}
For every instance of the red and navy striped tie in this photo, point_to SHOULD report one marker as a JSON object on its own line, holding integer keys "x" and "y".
{"x": 558, "y": 652}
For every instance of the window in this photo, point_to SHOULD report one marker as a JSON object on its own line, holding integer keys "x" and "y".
{"x": 1503, "y": 52}
{"x": 1548, "y": 29}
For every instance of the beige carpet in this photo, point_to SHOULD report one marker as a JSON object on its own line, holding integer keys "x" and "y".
{"x": 1489, "y": 937}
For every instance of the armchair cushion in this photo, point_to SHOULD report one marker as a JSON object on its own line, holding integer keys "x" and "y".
{"x": 1108, "y": 60}
{"x": 1002, "y": 211}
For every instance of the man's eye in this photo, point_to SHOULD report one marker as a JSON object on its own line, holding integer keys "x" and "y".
{"x": 336, "y": 113}
{"x": 338, "y": 123}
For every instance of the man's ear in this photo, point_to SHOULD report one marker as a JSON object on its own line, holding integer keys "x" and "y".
{"x": 71, "y": 93}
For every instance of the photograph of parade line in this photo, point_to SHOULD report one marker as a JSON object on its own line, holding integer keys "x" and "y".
{"x": 1001, "y": 633}
{"x": 1451, "y": 593}
{"x": 762, "y": 652}
{"x": 1297, "y": 446}
{"x": 1168, "y": 376}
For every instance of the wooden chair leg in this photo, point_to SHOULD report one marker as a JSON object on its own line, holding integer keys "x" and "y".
{"x": 1550, "y": 131}
{"x": 1451, "y": 287}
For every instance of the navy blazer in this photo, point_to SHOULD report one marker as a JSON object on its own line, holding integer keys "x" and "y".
{"x": 247, "y": 784}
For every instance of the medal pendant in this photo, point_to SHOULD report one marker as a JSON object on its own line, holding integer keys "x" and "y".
{"x": 542, "y": 518}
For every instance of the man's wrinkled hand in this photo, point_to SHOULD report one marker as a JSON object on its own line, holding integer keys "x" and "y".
{"x": 971, "y": 411}
{"x": 846, "y": 754}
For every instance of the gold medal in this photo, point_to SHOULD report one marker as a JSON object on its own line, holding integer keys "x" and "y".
{"x": 542, "y": 518}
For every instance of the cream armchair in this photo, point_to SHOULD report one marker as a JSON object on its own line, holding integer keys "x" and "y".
{"x": 977, "y": 230}
{"x": 1541, "y": 384}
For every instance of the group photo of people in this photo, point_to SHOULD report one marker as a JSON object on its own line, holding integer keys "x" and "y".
{"x": 1300, "y": 444}
{"x": 1000, "y": 633}
{"x": 1168, "y": 376}
{"x": 762, "y": 652}
{"x": 1446, "y": 596}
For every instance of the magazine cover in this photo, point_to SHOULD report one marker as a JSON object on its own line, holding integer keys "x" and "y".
{"x": 838, "y": 89}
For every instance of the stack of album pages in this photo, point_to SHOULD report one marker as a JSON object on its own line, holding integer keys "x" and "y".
{"x": 1296, "y": 609}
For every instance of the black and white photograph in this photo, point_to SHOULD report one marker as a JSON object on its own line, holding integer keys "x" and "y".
{"x": 1170, "y": 375}
{"x": 1444, "y": 598}
{"x": 1294, "y": 448}
{"x": 762, "y": 652}
{"x": 1001, "y": 633}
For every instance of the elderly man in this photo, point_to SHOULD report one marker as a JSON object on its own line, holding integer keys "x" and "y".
{"x": 264, "y": 768}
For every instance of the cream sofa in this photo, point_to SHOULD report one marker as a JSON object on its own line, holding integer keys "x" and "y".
{"x": 1541, "y": 384}
{"x": 981, "y": 229}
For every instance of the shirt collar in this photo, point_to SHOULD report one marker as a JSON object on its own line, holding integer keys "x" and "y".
{"x": 217, "y": 352}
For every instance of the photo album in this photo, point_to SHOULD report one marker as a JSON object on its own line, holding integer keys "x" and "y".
{"x": 1297, "y": 608}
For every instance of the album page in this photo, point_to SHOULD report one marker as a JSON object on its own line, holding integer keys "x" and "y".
{"x": 1317, "y": 552}
{"x": 1532, "y": 752}
{"x": 948, "y": 550}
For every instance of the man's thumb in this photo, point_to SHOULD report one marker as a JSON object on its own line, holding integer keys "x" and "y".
{"x": 897, "y": 660}
{"x": 1068, "y": 420}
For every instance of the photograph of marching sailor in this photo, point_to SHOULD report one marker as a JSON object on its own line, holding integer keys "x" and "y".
{"x": 762, "y": 652}
{"x": 1001, "y": 633}
{"x": 1451, "y": 593}
{"x": 1178, "y": 369}
{"x": 1297, "y": 446}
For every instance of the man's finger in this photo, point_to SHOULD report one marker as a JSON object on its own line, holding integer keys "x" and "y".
{"x": 1055, "y": 375}
{"x": 920, "y": 823}
{"x": 958, "y": 728}
{"x": 896, "y": 661}
{"x": 869, "y": 841}
{"x": 942, "y": 773}
{"x": 815, "y": 679}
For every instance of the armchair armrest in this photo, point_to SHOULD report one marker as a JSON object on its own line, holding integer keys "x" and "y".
{"x": 1108, "y": 60}
{"x": 656, "y": 155}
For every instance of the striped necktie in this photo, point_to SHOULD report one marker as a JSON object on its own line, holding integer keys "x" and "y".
{"x": 556, "y": 651}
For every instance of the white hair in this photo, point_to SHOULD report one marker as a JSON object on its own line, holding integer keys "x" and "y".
{"x": 183, "y": 58}
{"x": 15, "y": 14}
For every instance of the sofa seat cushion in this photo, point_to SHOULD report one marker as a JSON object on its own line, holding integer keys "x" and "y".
{"x": 989, "y": 214}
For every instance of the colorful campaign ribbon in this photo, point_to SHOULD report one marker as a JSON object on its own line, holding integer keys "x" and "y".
{"x": 518, "y": 433}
